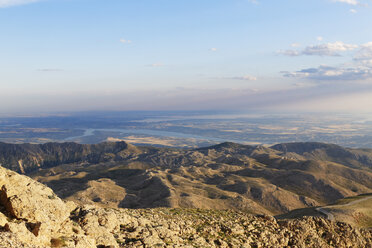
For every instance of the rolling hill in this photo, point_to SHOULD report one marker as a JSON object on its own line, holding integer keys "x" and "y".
{"x": 356, "y": 210}
{"x": 255, "y": 179}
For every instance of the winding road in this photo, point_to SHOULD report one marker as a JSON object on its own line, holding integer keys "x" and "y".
{"x": 326, "y": 213}
{"x": 330, "y": 216}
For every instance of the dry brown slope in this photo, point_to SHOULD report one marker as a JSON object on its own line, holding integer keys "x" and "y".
{"x": 248, "y": 178}
{"x": 32, "y": 216}
{"x": 226, "y": 176}
{"x": 356, "y": 211}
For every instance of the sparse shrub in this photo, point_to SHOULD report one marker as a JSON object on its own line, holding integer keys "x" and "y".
{"x": 57, "y": 242}
{"x": 51, "y": 197}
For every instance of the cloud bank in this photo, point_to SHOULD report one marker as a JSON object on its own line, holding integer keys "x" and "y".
{"x": 324, "y": 72}
{"x": 125, "y": 41}
{"x": 328, "y": 49}
{"x": 351, "y": 2}
{"x": 191, "y": 99}
{"x": 360, "y": 68}
{"x": 244, "y": 78}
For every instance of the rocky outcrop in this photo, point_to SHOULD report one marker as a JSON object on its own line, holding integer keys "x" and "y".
{"x": 34, "y": 211}
{"x": 31, "y": 215}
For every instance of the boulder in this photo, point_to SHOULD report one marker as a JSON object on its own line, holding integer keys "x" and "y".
{"x": 33, "y": 203}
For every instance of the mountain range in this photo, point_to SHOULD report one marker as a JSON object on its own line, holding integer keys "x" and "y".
{"x": 255, "y": 179}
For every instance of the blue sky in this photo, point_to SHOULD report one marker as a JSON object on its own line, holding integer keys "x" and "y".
{"x": 300, "y": 55}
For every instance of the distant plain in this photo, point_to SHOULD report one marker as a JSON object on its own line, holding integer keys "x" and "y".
{"x": 189, "y": 129}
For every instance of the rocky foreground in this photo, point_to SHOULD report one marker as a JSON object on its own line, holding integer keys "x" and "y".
{"x": 33, "y": 216}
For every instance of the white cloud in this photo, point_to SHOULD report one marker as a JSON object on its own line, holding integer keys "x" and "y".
{"x": 360, "y": 68}
{"x": 364, "y": 55}
{"x": 351, "y": 2}
{"x": 328, "y": 49}
{"x": 360, "y": 3}
{"x": 319, "y": 38}
{"x": 353, "y": 11}
{"x": 9, "y": 3}
{"x": 244, "y": 78}
{"x": 291, "y": 53}
{"x": 213, "y": 49}
{"x": 324, "y": 73}
{"x": 125, "y": 41}
{"x": 295, "y": 45}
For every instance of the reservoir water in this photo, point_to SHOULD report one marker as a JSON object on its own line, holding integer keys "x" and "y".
{"x": 91, "y": 131}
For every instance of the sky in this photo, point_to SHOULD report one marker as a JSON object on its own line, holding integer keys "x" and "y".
{"x": 246, "y": 55}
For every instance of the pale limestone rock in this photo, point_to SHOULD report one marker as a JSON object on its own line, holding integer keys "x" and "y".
{"x": 10, "y": 240}
{"x": 85, "y": 242}
{"x": 3, "y": 219}
{"x": 32, "y": 202}
{"x": 237, "y": 230}
{"x": 81, "y": 241}
{"x": 99, "y": 224}
{"x": 27, "y": 199}
{"x": 70, "y": 206}
{"x": 21, "y": 231}
{"x": 35, "y": 217}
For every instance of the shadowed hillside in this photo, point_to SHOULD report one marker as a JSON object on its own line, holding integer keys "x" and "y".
{"x": 32, "y": 216}
{"x": 329, "y": 152}
{"x": 254, "y": 179}
{"x": 356, "y": 210}
{"x": 29, "y": 157}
